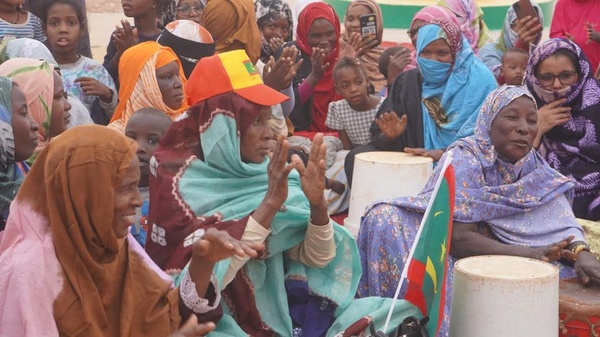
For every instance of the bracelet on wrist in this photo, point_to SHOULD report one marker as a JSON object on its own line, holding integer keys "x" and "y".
{"x": 574, "y": 244}
{"x": 580, "y": 247}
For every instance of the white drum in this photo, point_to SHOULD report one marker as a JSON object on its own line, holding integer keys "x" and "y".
{"x": 380, "y": 175}
{"x": 499, "y": 296}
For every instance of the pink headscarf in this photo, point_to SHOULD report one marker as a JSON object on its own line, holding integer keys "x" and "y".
{"x": 427, "y": 14}
{"x": 434, "y": 12}
{"x": 36, "y": 79}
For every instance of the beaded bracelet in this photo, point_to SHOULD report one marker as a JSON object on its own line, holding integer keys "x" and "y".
{"x": 583, "y": 247}
{"x": 580, "y": 248}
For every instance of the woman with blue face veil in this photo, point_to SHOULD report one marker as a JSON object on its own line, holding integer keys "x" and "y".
{"x": 435, "y": 104}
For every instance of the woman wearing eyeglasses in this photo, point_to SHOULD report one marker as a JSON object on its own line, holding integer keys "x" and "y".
{"x": 190, "y": 10}
{"x": 561, "y": 79}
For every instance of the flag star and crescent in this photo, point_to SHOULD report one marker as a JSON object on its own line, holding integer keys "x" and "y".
{"x": 427, "y": 263}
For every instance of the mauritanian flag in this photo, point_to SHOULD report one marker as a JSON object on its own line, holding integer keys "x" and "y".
{"x": 428, "y": 259}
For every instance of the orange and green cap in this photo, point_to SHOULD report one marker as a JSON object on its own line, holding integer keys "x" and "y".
{"x": 230, "y": 72}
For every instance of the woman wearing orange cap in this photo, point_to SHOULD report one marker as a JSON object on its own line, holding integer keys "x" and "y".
{"x": 151, "y": 76}
{"x": 213, "y": 163}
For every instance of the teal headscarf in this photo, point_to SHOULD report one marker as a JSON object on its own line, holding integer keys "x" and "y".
{"x": 221, "y": 183}
{"x": 10, "y": 176}
{"x": 459, "y": 89}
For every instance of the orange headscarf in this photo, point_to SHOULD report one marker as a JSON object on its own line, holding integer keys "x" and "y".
{"x": 139, "y": 89}
{"x": 107, "y": 287}
{"x": 232, "y": 23}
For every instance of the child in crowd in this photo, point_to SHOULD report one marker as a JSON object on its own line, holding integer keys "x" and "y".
{"x": 145, "y": 16}
{"x": 352, "y": 116}
{"x": 64, "y": 24}
{"x": 17, "y": 22}
{"x": 514, "y": 63}
{"x": 146, "y": 126}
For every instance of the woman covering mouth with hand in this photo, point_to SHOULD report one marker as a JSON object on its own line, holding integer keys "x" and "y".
{"x": 562, "y": 81}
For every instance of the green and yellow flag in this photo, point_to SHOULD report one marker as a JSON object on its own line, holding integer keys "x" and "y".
{"x": 428, "y": 259}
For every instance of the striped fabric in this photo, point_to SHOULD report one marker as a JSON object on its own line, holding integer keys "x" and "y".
{"x": 139, "y": 88}
{"x": 32, "y": 28}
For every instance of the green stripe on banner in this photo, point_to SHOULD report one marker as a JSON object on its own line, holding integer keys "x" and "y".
{"x": 398, "y": 14}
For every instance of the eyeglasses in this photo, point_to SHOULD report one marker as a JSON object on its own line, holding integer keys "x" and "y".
{"x": 565, "y": 78}
{"x": 187, "y": 9}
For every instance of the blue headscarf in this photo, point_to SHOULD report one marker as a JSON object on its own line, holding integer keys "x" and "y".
{"x": 461, "y": 87}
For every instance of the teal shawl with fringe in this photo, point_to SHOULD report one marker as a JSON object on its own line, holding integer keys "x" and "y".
{"x": 222, "y": 183}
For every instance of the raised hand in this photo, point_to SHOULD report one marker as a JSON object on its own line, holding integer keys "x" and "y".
{"x": 362, "y": 44}
{"x": 436, "y": 155}
{"x": 191, "y": 328}
{"x": 318, "y": 63}
{"x": 275, "y": 43}
{"x": 592, "y": 34}
{"x": 279, "y": 74}
{"x": 92, "y": 87}
{"x": 275, "y": 73}
{"x": 125, "y": 37}
{"x": 312, "y": 177}
{"x": 528, "y": 29}
{"x": 216, "y": 245}
{"x": 398, "y": 62}
{"x": 551, "y": 115}
{"x": 390, "y": 125}
{"x": 277, "y": 191}
{"x": 292, "y": 52}
{"x": 278, "y": 171}
{"x": 554, "y": 251}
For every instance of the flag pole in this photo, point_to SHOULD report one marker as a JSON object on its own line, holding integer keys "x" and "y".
{"x": 447, "y": 162}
